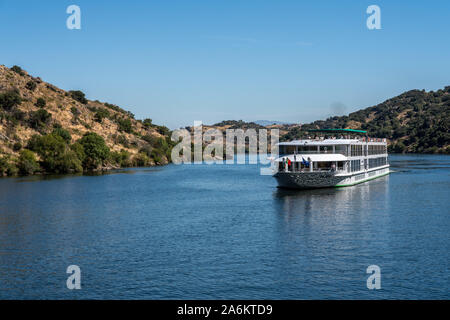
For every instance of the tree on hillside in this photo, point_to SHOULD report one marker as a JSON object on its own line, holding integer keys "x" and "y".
{"x": 147, "y": 123}
{"x": 38, "y": 119}
{"x": 40, "y": 103}
{"x": 56, "y": 155}
{"x": 10, "y": 99}
{"x": 125, "y": 125}
{"x": 27, "y": 163}
{"x": 63, "y": 133}
{"x": 18, "y": 70}
{"x": 78, "y": 96}
{"x": 95, "y": 149}
{"x": 31, "y": 85}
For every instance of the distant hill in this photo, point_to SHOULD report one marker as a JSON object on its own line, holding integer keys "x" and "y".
{"x": 415, "y": 121}
{"x": 44, "y": 129}
{"x": 269, "y": 123}
{"x": 238, "y": 124}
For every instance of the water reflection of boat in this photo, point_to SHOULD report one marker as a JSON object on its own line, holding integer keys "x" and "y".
{"x": 331, "y": 200}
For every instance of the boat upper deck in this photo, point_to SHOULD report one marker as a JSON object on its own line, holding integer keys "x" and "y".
{"x": 347, "y": 147}
{"x": 347, "y": 142}
{"x": 337, "y": 141}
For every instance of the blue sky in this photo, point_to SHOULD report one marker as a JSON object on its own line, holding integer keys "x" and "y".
{"x": 180, "y": 61}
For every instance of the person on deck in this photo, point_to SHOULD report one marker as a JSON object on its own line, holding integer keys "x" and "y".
{"x": 333, "y": 167}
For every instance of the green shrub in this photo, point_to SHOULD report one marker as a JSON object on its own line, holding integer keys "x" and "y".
{"x": 161, "y": 143}
{"x": 75, "y": 111}
{"x": 157, "y": 155}
{"x": 121, "y": 158}
{"x": 3, "y": 165}
{"x": 78, "y": 96}
{"x": 39, "y": 118}
{"x": 18, "y": 70}
{"x": 27, "y": 163}
{"x": 12, "y": 169}
{"x": 79, "y": 151}
{"x": 69, "y": 163}
{"x": 100, "y": 114}
{"x": 147, "y": 123}
{"x": 141, "y": 160}
{"x": 10, "y": 99}
{"x": 51, "y": 87}
{"x": 150, "y": 139}
{"x": 17, "y": 146}
{"x": 124, "y": 125}
{"x": 121, "y": 139}
{"x": 31, "y": 85}
{"x": 163, "y": 130}
{"x": 56, "y": 155}
{"x": 96, "y": 150}
{"x": 47, "y": 145}
{"x": 147, "y": 150}
{"x": 40, "y": 103}
{"x": 7, "y": 167}
{"x": 399, "y": 147}
{"x": 114, "y": 107}
{"x": 115, "y": 157}
{"x": 18, "y": 115}
{"x": 63, "y": 133}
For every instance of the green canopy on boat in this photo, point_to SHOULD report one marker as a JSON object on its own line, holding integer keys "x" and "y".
{"x": 337, "y": 130}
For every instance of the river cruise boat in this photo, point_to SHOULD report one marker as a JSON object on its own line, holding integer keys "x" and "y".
{"x": 343, "y": 157}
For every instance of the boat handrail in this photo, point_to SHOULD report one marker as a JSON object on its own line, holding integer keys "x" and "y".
{"x": 306, "y": 170}
{"x": 316, "y": 152}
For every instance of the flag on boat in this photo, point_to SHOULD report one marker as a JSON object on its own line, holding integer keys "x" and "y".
{"x": 304, "y": 162}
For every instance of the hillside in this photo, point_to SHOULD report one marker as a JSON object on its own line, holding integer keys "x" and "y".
{"x": 269, "y": 122}
{"x": 44, "y": 129}
{"x": 415, "y": 122}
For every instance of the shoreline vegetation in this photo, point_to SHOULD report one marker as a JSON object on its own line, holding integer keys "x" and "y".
{"x": 47, "y": 130}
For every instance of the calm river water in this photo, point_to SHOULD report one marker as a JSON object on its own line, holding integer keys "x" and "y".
{"x": 224, "y": 231}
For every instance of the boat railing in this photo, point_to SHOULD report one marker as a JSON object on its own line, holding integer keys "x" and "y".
{"x": 306, "y": 170}
{"x": 316, "y": 152}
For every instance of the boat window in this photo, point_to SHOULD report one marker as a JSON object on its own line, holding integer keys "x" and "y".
{"x": 290, "y": 149}
{"x": 326, "y": 149}
{"x": 307, "y": 149}
{"x": 377, "y": 162}
{"x": 355, "y": 165}
{"x": 342, "y": 149}
{"x": 356, "y": 150}
{"x": 377, "y": 149}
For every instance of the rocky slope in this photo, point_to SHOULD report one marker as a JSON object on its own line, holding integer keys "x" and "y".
{"x": 31, "y": 107}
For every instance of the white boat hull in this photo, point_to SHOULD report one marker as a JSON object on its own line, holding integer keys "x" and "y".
{"x": 310, "y": 180}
